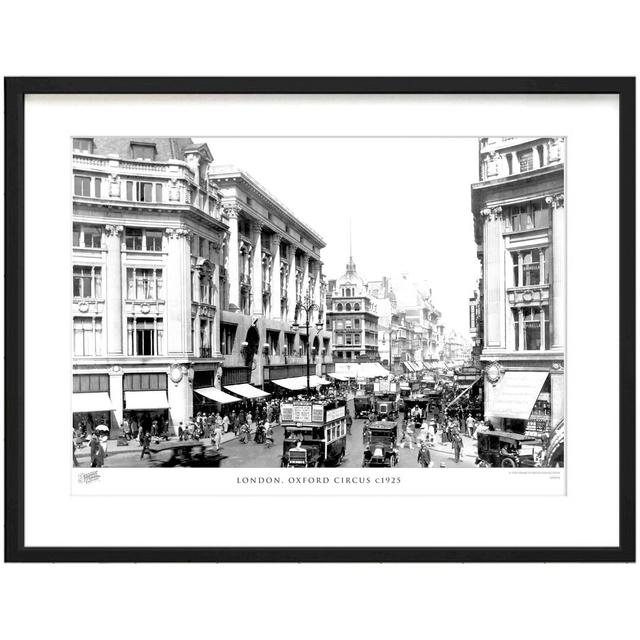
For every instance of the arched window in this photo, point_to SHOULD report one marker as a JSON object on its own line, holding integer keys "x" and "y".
{"x": 356, "y": 307}
{"x": 338, "y": 307}
{"x": 348, "y": 307}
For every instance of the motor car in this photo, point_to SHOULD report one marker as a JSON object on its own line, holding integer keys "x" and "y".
{"x": 381, "y": 445}
{"x": 506, "y": 449}
{"x": 188, "y": 453}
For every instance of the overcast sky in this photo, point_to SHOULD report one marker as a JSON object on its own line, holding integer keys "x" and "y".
{"x": 408, "y": 200}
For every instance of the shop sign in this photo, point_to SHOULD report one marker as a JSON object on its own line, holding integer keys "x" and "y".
{"x": 334, "y": 414}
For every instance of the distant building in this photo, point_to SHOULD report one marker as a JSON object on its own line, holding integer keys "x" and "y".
{"x": 519, "y": 313}
{"x": 352, "y": 318}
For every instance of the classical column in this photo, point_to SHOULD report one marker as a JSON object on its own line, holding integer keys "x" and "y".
{"x": 178, "y": 292}
{"x": 291, "y": 296}
{"x": 116, "y": 393}
{"x": 114, "y": 290}
{"x": 305, "y": 281}
{"x": 215, "y": 334}
{"x": 275, "y": 277}
{"x": 180, "y": 395}
{"x": 558, "y": 266}
{"x": 494, "y": 311}
{"x": 256, "y": 269}
{"x": 233, "y": 271}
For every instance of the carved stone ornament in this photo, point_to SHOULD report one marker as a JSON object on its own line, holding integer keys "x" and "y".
{"x": 83, "y": 307}
{"x": 493, "y": 372}
{"x": 114, "y": 230}
{"x": 176, "y": 373}
{"x": 177, "y": 233}
{"x": 491, "y": 213}
{"x": 145, "y": 308}
{"x": 555, "y": 201}
{"x": 231, "y": 211}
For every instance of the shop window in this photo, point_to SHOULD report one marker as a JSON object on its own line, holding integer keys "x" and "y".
{"x": 87, "y": 282}
{"x": 145, "y": 382}
{"x": 87, "y": 336}
{"x": 91, "y": 383}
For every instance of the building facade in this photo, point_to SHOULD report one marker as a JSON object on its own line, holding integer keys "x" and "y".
{"x": 271, "y": 262}
{"x": 519, "y": 313}
{"x": 352, "y": 318}
{"x": 178, "y": 279}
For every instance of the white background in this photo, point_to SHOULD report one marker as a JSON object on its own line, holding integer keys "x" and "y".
{"x": 328, "y": 39}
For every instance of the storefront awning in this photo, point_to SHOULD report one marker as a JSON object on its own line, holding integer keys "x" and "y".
{"x": 88, "y": 402}
{"x": 216, "y": 395}
{"x": 337, "y": 376}
{"x": 292, "y": 384}
{"x": 418, "y": 366}
{"x": 465, "y": 390}
{"x": 146, "y": 400}
{"x": 247, "y": 391}
{"x": 407, "y": 366}
{"x": 314, "y": 381}
{"x": 515, "y": 394}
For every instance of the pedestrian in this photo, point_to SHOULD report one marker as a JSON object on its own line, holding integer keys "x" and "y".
{"x": 126, "y": 429}
{"x": 180, "y": 431}
{"x": 73, "y": 450}
{"x": 424, "y": 455}
{"x": 225, "y": 423}
{"x": 268, "y": 435}
{"x": 146, "y": 442}
{"x": 457, "y": 445}
{"x": 217, "y": 434}
{"x": 154, "y": 429}
{"x": 470, "y": 424}
{"x": 96, "y": 451}
{"x": 349, "y": 422}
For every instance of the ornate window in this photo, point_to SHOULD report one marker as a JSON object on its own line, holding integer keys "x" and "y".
{"x": 145, "y": 336}
{"x": 87, "y": 336}
{"x": 144, "y": 284}
{"x": 87, "y": 282}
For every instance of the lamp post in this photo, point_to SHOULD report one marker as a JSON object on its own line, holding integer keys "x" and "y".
{"x": 308, "y": 306}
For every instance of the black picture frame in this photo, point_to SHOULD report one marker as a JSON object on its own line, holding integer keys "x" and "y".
{"x": 15, "y": 91}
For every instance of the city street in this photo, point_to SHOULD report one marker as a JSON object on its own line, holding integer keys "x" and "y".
{"x": 252, "y": 455}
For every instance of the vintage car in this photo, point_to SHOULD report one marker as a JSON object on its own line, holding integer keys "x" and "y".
{"x": 385, "y": 407}
{"x": 362, "y": 406}
{"x": 507, "y": 449}
{"x": 380, "y": 445}
{"x": 189, "y": 453}
{"x": 315, "y": 433}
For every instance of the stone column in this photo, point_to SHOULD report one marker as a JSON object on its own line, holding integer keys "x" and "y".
{"x": 291, "y": 296}
{"x": 114, "y": 290}
{"x": 178, "y": 292}
{"x": 557, "y": 394}
{"x": 215, "y": 334}
{"x": 275, "y": 278}
{"x": 116, "y": 394}
{"x": 233, "y": 270}
{"x": 256, "y": 269}
{"x": 495, "y": 302}
{"x": 180, "y": 395}
{"x": 558, "y": 266}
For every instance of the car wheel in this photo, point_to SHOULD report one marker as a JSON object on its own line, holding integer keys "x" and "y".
{"x": 508, "y": 462}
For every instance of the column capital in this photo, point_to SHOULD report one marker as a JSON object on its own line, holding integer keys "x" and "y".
{"x": 231, "y": 210}
{"x": 175, "y": 233}
{"x": 491, "y": 213}
{"x": 257, "y": 226}
{"x": 113, "y": 230}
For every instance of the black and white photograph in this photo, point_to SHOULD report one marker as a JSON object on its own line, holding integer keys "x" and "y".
{"x": 330, "y": 301}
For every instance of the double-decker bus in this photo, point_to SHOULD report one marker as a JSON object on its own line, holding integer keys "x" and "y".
{"x": 315, "y": 433}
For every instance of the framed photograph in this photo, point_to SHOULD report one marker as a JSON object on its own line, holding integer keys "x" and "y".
{"x": 320, "y": 319}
